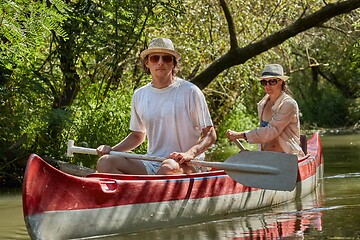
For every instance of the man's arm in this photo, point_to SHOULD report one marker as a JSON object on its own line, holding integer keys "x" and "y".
{"x": 133, "y": 140}
{"x": 208, "y": 137}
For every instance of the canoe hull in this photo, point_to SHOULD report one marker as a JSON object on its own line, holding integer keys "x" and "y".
{"x": 61, "y": 206}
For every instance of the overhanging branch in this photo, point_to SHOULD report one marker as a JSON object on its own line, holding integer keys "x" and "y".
{"x": 237, "y": 55}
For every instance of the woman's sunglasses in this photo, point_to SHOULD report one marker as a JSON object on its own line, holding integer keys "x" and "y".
{"x": 270, "y": 82}
{"x": 165, "y": 58}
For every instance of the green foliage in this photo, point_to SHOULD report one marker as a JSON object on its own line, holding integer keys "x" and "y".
{"x": 239, "y": 120}
{"x": 354, "y": 113}
{"x": 25, "y": 25}
{"x": 327, "y": 109}
{"x": 24, "y": 34}
{"x": 354, "y": 67}
{"x": 92, "y": 126}
{"x": 330, "y": 99}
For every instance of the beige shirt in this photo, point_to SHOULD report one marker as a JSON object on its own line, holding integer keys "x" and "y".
{"x": 284, "y": 125}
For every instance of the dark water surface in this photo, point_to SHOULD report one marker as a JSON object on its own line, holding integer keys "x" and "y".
{"x": 331, "y": 212}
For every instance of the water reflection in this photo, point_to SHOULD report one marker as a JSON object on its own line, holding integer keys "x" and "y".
{"x": 293, "y": 220}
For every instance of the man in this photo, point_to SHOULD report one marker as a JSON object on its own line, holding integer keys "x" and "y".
{"x": 171, "y": 112}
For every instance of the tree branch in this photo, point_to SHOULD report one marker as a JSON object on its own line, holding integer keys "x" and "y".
{"x": 231, "y": 26}
{"x": 236, "y": 56}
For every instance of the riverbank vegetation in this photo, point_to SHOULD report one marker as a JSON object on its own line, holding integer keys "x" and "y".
{"x": 68, "y": 68}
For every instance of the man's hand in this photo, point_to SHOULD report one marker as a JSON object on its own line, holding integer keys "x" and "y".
{"x": 181, "y": 157}
{"x": 103, "y": 150}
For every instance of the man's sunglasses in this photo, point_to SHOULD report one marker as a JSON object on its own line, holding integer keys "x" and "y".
{"x": 165, "y": 58}
{"x": 270, "y": 82}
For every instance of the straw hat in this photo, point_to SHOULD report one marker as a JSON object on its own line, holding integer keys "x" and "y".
{"x": 273, "y": 71}
{"x": 161, "y": 45}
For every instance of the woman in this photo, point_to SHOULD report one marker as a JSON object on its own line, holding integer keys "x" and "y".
{"x": 278, "y": 113}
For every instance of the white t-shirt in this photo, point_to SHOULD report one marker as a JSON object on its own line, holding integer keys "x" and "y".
{"x": 172, "y": 117}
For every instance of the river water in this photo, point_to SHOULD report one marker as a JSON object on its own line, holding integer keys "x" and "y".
{"x": 331, "y": 212}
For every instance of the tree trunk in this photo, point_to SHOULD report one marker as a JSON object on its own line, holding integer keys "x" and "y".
{"x": 71, "y": 85}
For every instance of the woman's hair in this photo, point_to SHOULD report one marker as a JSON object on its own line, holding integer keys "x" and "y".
{"x": 175, "y": 69}
{"x": 286, "y": 88}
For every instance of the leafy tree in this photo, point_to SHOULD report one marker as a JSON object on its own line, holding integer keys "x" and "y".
{"x": 24, "y": 33}
{"x": 329, "y": 80}
{"x": 68, "y": 68}
{"x": 277, "y": 31}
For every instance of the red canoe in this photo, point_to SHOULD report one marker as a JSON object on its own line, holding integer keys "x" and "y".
{"x": 58, "y": 205}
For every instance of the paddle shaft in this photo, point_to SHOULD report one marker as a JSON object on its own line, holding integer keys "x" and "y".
{"x": 251, "y": 168}
{"x": 239, "y": 144}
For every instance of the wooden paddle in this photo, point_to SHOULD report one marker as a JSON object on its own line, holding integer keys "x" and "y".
{"x": 260, "y": 169}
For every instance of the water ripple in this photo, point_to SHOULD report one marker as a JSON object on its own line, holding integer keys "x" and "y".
{"x": 346, "y": 175}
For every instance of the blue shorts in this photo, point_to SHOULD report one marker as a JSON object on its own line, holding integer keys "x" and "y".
{"x": 151, "y": 167}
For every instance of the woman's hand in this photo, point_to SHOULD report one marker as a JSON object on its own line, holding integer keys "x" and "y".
{"x": 233, "y": 135}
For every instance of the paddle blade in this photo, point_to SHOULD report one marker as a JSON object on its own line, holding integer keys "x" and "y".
{"x": 268, "y": 170}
